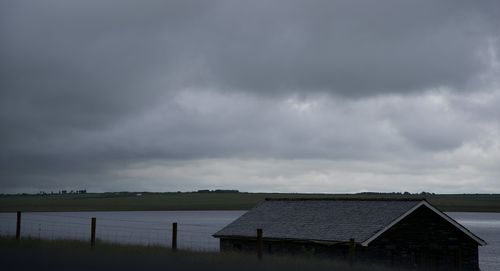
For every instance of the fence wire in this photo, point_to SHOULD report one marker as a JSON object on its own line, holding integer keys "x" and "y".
{"x": 49, "y": 226}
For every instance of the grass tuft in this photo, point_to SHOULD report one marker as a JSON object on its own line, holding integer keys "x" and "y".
{"x": 34, "y": 254}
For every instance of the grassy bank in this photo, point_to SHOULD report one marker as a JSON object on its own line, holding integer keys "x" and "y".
{"x": 33, "y": 254}
{"x": 214, "y": 201}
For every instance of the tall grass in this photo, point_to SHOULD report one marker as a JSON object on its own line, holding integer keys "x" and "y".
{"x": 32, "y": 254}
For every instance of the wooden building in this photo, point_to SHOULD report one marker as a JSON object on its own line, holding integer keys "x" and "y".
{"x": 404, "y": 233}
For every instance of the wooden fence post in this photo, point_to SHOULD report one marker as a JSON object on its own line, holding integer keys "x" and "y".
{"x": 18, "y": 226}
{"x": 174, "y": 236}
{"x": 352, "y": 251}
{"x": 259, "y": 243}
{"x": 92, "y": 232}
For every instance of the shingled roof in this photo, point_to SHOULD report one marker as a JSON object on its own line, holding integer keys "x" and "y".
{"x": 330, "y": 220}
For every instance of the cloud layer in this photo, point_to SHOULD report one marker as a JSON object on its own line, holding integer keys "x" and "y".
{"x": 90, "y": 91}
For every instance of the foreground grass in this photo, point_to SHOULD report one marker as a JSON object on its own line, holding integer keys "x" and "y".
{"x": 215, "y": 201}
{"x": 31, "y": 254}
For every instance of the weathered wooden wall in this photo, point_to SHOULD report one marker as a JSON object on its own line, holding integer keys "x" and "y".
{"x": 425, "y": 239}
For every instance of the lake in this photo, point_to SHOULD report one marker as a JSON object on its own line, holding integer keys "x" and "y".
{"x": 486, "y": 226}
{"x": 195, "y": 228}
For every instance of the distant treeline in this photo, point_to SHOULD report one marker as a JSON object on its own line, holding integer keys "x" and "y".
{"x": 122, "y": 193}
{"x": 217, "y": 191}
{"x": 202, "y": 191}
{"x": 396, "y": 193}
{"x": 43, "y": 193}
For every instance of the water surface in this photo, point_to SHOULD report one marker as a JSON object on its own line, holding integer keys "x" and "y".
{"x": 487, "y": 227}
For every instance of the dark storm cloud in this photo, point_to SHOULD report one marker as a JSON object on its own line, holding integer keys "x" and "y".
{"x": 83, "y": 82}
{"x": 350, "y": 48}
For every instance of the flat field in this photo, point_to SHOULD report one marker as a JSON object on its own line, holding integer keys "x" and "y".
{"x": 30, "y": 254}
{"x": 126, "y": 201}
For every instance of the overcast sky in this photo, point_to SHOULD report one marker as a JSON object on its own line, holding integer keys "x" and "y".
{"x": 289, "y": 96}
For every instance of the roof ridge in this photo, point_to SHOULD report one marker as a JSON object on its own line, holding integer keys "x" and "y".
{"x": 345, "y": 199}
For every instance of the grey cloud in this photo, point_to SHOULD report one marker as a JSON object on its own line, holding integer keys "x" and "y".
{"x": 350, "y": 48}
{"x": 198, "y": 125}
{"x": 485, "y": 107}
{"x": 433, "y": 123}
{"x": 90, "y": 85}
{"x": 87, "y": 63}
{"x": 345, "y": 48}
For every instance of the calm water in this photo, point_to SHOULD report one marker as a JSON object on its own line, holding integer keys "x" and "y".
{"x": 486, "y": 226}
{"x": 195, "y": 228}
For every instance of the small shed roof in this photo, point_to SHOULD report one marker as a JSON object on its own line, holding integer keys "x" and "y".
{"x": 334, "y": 220}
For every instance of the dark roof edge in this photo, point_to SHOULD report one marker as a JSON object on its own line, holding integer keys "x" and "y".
{"x": 281, "y": 239}
{"x": 345, "y": 199}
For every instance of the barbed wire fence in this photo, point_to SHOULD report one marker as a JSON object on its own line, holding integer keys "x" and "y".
{"x": 50, "y": 226}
